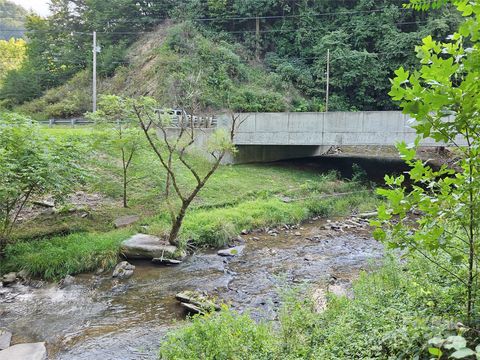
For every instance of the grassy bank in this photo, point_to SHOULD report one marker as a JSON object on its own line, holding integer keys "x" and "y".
{"x": 236, "y": 198}
{"x": 392, "y": 316}
{"x": 55, "y": 257}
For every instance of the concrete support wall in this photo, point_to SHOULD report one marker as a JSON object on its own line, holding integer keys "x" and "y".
{"x": 266, "y": 153}
{"x": 327, "y": 129}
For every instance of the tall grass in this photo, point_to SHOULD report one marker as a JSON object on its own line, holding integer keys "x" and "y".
{"x": 215, "y": 227}
{"x": 80, "y": 252}
{"x": 56, "y": 257}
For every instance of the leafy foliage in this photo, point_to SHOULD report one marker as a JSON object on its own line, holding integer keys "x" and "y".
{"x": 392, "y": 316}
{"x": 12, "y": 54}
{"x": 367, "y": 41}
{"x": 31, "y": 165}
{"x": 226, "y": 335}
{"x": 120, "y": 134}
{"x": 442, "y": 96}
{"x": 455, "y": 344}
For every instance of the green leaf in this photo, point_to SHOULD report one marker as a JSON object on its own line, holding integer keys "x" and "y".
{"x": 455, "y": 342}
{"x": 435, "y": 352}
{"x": 462, "y": 353}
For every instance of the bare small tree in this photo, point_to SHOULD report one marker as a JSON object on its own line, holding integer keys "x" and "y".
{"x": 119, "y": 134}
{"x": 171, "y": 142}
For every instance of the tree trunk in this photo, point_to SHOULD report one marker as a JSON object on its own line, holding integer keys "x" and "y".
{"x": 125, "y": 183}
{"x": 3, "y": 244}
{"x": 125, "y": 204}
{"x": 471, "y": 254}
{"x": 177, "y": 224}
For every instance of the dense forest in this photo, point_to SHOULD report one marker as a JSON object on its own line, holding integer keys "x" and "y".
{"x": 286, "y": 40}
{"x": 12, "y": 18}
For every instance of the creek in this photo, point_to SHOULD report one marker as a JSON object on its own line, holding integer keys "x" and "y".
{"x": 103, "y": 318}
{"x": 98, "y": 317}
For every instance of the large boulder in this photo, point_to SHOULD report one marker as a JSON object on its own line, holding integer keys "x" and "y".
{"x": 34, "y": 351}
{"x": 142, "y": 246}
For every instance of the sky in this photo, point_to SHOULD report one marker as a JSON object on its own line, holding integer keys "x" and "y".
{"x": 39, "y": 6}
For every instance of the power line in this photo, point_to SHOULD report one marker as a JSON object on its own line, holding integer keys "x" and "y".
{"x": 265, "y": 17}
{"x": 222, "y": 31}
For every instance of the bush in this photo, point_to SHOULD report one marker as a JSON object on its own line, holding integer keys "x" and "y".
{"x": 69, "y": 100}
{"x": 225, "y": 335}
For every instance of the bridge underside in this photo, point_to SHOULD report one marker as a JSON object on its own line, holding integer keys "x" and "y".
{"x": 266, "y": 153}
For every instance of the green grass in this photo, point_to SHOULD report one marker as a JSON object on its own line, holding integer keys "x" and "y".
{"x": 236, "y": 197}
{"x": 395, "y": 311}
{"x": 71, "y": 254}
{"x": 80, "y": 252}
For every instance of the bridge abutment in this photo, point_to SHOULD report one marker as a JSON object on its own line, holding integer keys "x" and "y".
{"x": 267, "y": 153}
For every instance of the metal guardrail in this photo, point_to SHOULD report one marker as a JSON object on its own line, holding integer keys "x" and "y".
{"x": 177, "y": 121}
{"x": 72, "y": 122}
{"x": 181, "y": 118}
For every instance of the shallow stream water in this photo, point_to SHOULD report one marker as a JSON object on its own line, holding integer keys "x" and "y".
{"x": 102, "y": 318}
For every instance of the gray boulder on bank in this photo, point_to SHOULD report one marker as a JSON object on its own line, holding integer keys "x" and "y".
{"x": 142, "y": 246}
{"x": 123, "y": 270}
{"x": 5, "y": 338}
{"x": 34, "y": 351}
{"x": 125, "y": 221}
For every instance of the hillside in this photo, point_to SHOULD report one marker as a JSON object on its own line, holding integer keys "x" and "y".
{"x": 11, "y": 20}
{"x": 171, "y": 64}
{"x": 254, "y": 56}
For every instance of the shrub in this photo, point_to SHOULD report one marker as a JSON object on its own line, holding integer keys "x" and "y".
{"x": 224, "y": 335}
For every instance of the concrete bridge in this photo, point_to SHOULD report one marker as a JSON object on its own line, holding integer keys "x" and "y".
{"x": 276, "y": 136}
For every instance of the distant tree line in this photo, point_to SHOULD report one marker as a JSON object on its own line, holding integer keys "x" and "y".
{"x": 12, "y": 17}
{"x": 367, "y": 40}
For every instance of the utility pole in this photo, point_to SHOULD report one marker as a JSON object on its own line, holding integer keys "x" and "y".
{"x": 257, "y": 37}
{"x": 328, "y": 80}
{"x": 94, "y": 87}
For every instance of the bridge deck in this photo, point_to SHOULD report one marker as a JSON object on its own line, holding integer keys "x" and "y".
{"x": 327, "y": 129}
